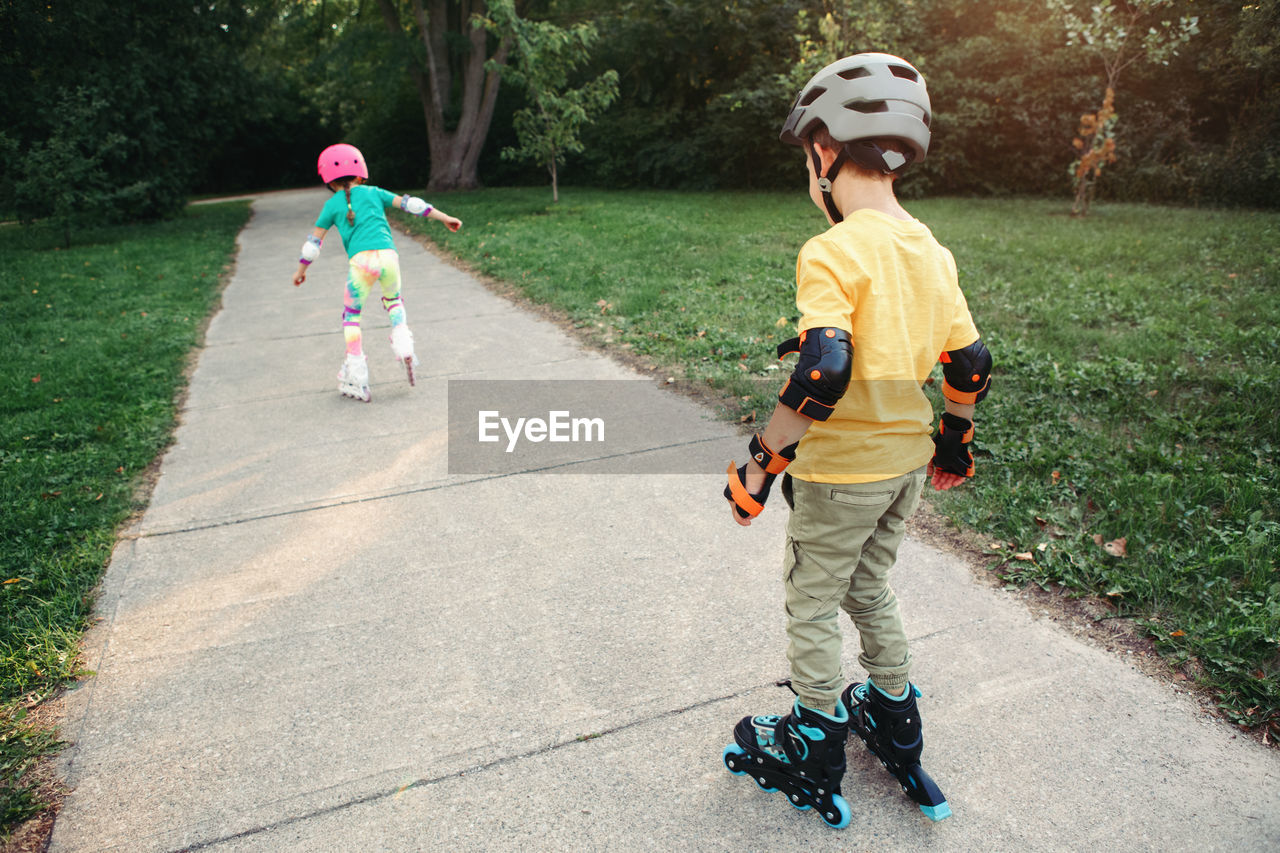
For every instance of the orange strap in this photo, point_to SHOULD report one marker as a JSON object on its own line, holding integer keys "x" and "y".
{"x": 741, "y": 496}
{"x": 963, "y": 397}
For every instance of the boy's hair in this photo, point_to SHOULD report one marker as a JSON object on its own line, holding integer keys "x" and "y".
{"x": 823, "y": 137}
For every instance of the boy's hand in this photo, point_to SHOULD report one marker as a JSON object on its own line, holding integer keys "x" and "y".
{"x": 943, "y": 480}
{"x": 747, "y": 491}
{"x": 749, "y": 485}
{"x": 952, "y": 462}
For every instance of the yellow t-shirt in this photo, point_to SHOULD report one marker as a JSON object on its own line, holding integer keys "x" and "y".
{"x": 893, "y": 287}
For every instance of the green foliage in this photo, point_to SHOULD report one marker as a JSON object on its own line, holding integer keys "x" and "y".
{"x": 66, "y": 178}
{"x": 1134, "y": 393}
{"x": 256, "y": 87}
{"x": 99, "y": 336}
{"x": 149, "y": 85}
{"x": 544, "y": 57}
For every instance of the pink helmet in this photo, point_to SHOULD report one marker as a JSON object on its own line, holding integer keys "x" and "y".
{"x": 341, "y": 161}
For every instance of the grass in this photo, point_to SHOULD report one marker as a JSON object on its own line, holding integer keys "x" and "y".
{"x": 98, "y": 337}
{"x": 1136, "y": 391}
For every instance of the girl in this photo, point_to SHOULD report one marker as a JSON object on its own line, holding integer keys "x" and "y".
{"x": 357, "y": 210}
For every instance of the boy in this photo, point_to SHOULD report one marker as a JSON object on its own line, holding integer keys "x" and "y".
{"x": 879, "y": 301}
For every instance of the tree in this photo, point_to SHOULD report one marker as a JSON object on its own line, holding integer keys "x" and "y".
{"x": 1115, "y": 34}
{"x": 123, "y": 102}
{"x": 453, "y": 57}
{"x": 545, "y": 55}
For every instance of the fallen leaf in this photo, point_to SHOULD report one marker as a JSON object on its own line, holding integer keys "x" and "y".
{"x": 1024, "y": 556}
{"x": 120, "y": 470}
{"x": 1042, "y": 546}
{"x": 1178, "y": 633}
{"x": 35, "y": 378}
{"x": 782, "y": 323}
{"x": 10, "y": 580}
{"x": 1153, "y": 392}
{"x": 1115, "y": 547}
{"x": 1055, "y": 476}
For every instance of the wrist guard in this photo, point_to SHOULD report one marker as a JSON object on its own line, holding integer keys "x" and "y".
{"x": 822, "y": 374}
{"x": 966, "y": 373}
{"x": 951, "y": 445}
{"x": 414, "y": 205}
{"x": 310, "y": 250}
{"x": 746, "y": 504}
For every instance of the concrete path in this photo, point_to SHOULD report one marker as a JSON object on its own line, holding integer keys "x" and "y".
{"x": 318, "y": 639}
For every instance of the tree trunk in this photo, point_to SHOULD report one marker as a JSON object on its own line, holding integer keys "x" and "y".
{"x": 454, "y": 153}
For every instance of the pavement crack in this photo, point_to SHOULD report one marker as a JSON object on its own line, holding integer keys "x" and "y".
{"x": 331, "y": 504}
{"x": 391, "y": 793}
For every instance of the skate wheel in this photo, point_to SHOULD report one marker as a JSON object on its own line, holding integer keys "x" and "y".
{"x": 764, "y": 785}
{"x": 797, "y": 804}
{"x": 408, "y": 366}
{"x": 732, "y": 756}
{"x": 838, "y": 814}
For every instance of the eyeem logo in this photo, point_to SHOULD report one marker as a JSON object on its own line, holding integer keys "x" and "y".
{"x": 558, "y": 427}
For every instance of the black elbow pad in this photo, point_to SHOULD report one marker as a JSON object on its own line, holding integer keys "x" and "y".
{"x": 822, "y": 374}
{"x": 966, "y": 373}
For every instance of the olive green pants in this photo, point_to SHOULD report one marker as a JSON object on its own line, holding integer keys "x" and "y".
{"x": 842, "y": 540}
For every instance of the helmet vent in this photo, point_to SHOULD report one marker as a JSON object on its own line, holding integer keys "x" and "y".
{"x": 854, "y": 73}
{"x": 812, "y": 95}
{"x": 904, "y": 72}
{"x": 867, "y": 106}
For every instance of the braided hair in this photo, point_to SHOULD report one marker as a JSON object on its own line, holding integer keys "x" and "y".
{"x": 346, "y": 184}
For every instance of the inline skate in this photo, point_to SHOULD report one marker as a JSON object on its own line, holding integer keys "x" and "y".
{"x": 402, "y": 346}
{"x": 353, "y": 378}
{"x": 891, "y": 730}
{"x": 800, "y": 754}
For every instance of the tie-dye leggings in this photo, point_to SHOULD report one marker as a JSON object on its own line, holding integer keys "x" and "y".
{"x": 363, "y": 270}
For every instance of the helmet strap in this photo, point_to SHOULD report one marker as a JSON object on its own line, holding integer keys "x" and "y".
{"x": 826, "y": 183}
{"x": 873, "y": 158}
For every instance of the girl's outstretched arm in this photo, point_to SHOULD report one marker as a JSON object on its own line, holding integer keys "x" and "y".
{"x": 418, "y": 207}
{"x": 450, "y": 222}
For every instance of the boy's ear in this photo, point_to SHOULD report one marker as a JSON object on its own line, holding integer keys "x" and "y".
{"x": 826, "y": 155}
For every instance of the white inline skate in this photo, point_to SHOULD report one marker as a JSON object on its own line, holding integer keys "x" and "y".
{"x": 402, "y": 346}
{"x": 353, "y": 378}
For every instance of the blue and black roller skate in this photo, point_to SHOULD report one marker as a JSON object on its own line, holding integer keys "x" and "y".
{"x": 800, "y": 754}
{"x": 891, "y": 730}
